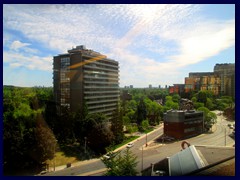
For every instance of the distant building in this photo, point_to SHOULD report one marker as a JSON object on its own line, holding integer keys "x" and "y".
{"x": 226, "y": 72}
{"x": 150, "y": 86}
{"x": 182, "y": 124}
{"x": 83, "y": 76}
{"x": 177, "y": 88}
{"x": 220, "y": 82}
{"x": 193, "y": 82}
{"x": 131, "y": 86}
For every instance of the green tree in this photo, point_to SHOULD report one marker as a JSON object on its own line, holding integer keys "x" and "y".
{"x": 210, "y": 120}
{"x": 141, "y": 112}
{"x": 121, "y": 165}
{"x": 117, "y": 126}
{"x": 99, "y": 134}
{"x": 209, "y": 104}
{"x": 145, "y": 124}
{"x": 176, "y": 98}
{"x": 208, "y": 117}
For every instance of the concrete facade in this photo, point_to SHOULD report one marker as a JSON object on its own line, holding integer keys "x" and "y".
{"x": 85, "y": 77}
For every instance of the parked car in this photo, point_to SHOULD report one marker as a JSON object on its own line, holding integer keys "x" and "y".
{"x": 106, "y": 156}
{"x": 109, "y": 155}
{"x": 129, "y": 145}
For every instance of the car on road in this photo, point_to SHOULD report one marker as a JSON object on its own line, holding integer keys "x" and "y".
{"x": 129, "y": 145}
{"x": 106, "y": 156}
{"x": 109, "y": 155}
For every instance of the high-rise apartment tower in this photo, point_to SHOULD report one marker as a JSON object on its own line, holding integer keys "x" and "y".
{"x": 83, "y": 76}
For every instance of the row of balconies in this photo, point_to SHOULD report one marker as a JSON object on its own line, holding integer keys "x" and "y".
{"x": 94, "y": 93}
{"x": 101, "y": 77}
{"x": 103, "y": 64}
{"x": 104, "y": 59}
{"x": 105, "y": 110}
{"x": 102, "y": 101}
{"x": 101, "y": 96}
{"x": 101, "y": 106}
{"x": 97, "y": 83}
{"x": 100, "y": 68}
{"x": 100, "y": 73}
{"x": 97, "y": 88}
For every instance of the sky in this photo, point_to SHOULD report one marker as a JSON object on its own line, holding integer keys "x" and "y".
{"x": 157, "y": 44}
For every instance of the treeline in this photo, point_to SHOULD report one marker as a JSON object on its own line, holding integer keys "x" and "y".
{"x": 34, "y": 131}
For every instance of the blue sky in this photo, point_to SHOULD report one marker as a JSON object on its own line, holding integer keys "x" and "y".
{"x": 156, "y": 44}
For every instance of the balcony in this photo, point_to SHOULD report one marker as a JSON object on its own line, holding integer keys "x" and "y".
{"x": 102, "y": 106}
{"x": 102, "y": 101}
{"x": 102, "y": 96}
{"x": 100, "y": 68}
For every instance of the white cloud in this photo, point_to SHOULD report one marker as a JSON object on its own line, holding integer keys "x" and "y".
{"x": 31, "y": 62}
{"x": 207, "y": 40}
{"x": 17, "y": 45}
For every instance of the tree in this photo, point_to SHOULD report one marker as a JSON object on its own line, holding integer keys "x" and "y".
{"x": 145, "y": 124}
{"x": 169, "y": 104}
{"x": 117, "y": 126}
{"x": 209, "y": 104}
{"x": 121, "y": 165}
{"x": 141, "y": 112}
{"x": 203, "y": 95}
{"x": 99, "y": 134}
{"x": 176, "y": 98}
{"x": 208, "y": 117}
{"x": 210, "y": 120}
{"x": 46, "y": 142}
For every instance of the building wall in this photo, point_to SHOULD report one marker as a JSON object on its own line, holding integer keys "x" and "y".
{"x": 220, "y": 82}
{"x": 183, "y": 124}
{"x": 226, "y": 72}
{"x": 89, "y": 78}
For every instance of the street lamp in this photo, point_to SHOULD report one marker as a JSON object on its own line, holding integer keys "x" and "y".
{"x": 85, "y": 145}
{"x": 54, "y": 151}
{"x": 142, "y": 158}
{"x": 146, "y": 140}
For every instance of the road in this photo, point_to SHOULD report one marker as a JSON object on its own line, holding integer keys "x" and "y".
{"x": 155, "y": 152}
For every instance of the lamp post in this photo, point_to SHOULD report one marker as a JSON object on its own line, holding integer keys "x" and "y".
{"x": 142, "y": 158}
{"x": 146, "y": 140}
{"x": 54, "y": 151}
{"x": 225, "y": 136}
{"x": 85, "y": 145}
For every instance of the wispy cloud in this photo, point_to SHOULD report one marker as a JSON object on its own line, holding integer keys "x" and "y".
{"x": 152, "y": 42}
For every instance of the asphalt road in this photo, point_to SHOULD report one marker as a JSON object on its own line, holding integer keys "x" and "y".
{"x": 154, "y": 152}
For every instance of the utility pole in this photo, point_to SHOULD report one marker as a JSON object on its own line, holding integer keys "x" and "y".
{"x": 85, "y": 145}
{"x": 225, "y": 136}
{"x": 142, "y": 158}
{"x": 54, "y": 151}
{"x": 146, "y": 140}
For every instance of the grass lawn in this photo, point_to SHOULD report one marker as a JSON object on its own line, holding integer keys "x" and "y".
{"x": 61, "y": 159}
